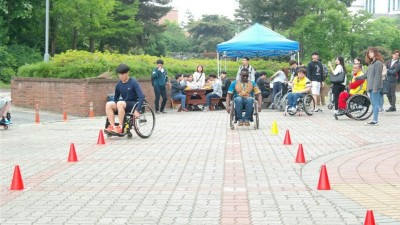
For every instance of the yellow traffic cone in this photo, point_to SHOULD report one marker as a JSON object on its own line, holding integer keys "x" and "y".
{"x": 274, "y": 128}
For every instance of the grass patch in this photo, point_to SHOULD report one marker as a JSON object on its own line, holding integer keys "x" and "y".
{"x": 4, "y": 86}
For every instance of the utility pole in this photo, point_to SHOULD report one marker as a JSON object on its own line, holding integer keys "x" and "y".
{"x": 46, "y": 54}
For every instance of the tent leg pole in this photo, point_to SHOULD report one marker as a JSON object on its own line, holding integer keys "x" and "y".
{"x": 218, "y": 65}
{"x": 298, "y": 58}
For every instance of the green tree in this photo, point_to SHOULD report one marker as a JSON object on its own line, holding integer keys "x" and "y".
{"x": 150, "y": 12}
{"x": 210, "y": 31}
{"x": 174, "y": 38}
{"x": 326, "y": 31}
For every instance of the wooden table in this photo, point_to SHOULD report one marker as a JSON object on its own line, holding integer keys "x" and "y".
{"x": 200, "y": 100}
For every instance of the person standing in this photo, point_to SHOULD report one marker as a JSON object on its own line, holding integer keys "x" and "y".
{"x": 337, "y": 88}
{"x": 199, "y": 77}
{"x": 246, "y": 64}
{"x": 374, "y": 79}
{"x": 393, "y": 72}
{"x": 314, "y": 74}
{"x": 159, "y": 80}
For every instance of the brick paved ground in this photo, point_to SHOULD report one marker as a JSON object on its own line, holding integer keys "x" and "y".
{"x": 195, "y": 170}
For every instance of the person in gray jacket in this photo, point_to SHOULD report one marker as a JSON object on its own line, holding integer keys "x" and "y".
{"x": 177, "y": 91}
{"x": 393, "y": 71}
{"x": 374, "y": 78}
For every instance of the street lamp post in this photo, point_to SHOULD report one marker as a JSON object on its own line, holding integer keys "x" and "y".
{"x": 46, "y": 54}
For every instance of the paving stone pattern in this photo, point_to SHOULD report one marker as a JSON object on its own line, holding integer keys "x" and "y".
{"x": 195, "y": 170}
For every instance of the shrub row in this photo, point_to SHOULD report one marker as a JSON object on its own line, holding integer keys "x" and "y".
{"x": 82, "y": 64}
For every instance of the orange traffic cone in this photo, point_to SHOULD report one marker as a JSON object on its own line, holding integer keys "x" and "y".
{"x": 300, "y": 155}
{"x": 100, "y": 140}
{"x": 37, "y": 117}
{"x": 72, "y": 154}
{"x": 65, "y": 118}
{"x": 323, "y": 183}
{"x": 91, "y": 112}
{"x": 287, "y": 140}
{"x": 369, "y": 218}
{"x": 17, "y": 183}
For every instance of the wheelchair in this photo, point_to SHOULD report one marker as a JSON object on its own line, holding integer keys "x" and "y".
{"x": 254, "y": 115}
{"x": 358, "y": 107}
{"x": 143, "y": 126}
{"x": 305, "y": 103}
{"x": 278, "y": 100}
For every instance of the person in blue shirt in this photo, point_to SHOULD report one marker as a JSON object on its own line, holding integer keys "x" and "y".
{"x": 243, "y": 91}
{"x": 127, "y": 93}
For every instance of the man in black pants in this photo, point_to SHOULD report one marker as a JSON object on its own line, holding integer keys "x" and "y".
{"x": 159, "y": 81}
{"x": 393, "y": 71}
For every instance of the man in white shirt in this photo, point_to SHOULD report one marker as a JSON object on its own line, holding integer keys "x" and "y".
{"x": 252, "y": 71}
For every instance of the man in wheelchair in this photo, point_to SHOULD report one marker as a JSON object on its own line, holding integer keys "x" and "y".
{"x": 301, "y": 85}
{"x": 355, "y": 87}
{"x": 127, "y": 93}
{"x": 244, "y": 91}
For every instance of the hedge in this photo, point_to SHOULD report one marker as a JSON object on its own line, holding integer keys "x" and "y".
{"x": 82, "y": 64}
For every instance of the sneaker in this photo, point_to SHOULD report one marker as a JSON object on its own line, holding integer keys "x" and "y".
{"x": 184, "y": 110}
{"x": 240, "y": 123}
{"x": 247, "y": 123}
{"x": 391, "y": 109}
{"x": 163, "y": 112}
{"x": 381, "y": 110}
{"x": 340, "y": 113}
{"x": 157, "y": 112}
{"x": 110, "y": 128}
{"x": 293, "y": 109}
{"x": 372, "y": 123}
{"x": 205, "y": 109}
{"x": 319, "y": 110}
{"x": 117, "y": 129}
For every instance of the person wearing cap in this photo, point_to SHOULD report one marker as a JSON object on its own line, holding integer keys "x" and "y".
{"x": 127, "y": 93}
{"x": 159, "y": 81}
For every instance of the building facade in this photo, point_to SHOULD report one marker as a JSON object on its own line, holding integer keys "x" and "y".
{"x": 377, "y": 7}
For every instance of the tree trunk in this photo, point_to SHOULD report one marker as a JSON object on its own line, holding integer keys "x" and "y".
{"x": 74, "y": 38}
{"x": 91, "y": 44}
{"x": 53, "y": 36}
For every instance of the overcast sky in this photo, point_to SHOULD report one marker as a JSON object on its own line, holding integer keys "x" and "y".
{"x": 200, "y": 7}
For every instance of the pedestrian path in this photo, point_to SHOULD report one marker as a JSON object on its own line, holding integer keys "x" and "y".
{"x": 195, "y": 170}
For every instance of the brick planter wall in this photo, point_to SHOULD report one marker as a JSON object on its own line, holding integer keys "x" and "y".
{"x": 52, "y": 93}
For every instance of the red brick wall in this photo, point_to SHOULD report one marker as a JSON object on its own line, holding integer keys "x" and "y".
{"x": 52, "y": 93}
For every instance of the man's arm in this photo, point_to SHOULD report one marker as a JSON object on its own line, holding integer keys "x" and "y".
{"x": 140, "y": 96}
{"x": 116, "y": 93}
{"x": 309, "y": 68}
{"x": 394, "y": 71}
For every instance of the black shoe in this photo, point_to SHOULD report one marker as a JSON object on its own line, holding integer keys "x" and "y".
{"x": 372, "y": 123}
{"x": 163, "y": 112}
{"x": 391, "y": 109}
{"x": 340, "y": 113}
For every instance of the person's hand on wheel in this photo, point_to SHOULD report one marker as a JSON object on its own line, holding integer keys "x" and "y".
{"x": 136, "y": 114}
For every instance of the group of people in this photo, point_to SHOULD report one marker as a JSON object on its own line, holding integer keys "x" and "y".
{"x": 250, "y": 86}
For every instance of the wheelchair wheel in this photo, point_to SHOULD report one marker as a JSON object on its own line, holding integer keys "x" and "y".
{"x": 283, "y": 102}
{"x": 144, "y": 125}
{"x": 308, "y": 104}
{"x": 232, "y": 116}
{"x": 277, "y": 101}
{"x": 359, "y": 107}
{"x": 256, "y": 122}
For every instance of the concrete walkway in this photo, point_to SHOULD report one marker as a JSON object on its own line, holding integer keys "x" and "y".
{"x": 195, "y": 170}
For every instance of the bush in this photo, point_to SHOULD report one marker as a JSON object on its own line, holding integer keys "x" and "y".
{"x": 14, "y": 56}
{"x": 82, "y": 64}
{"x": 5, "y": 74}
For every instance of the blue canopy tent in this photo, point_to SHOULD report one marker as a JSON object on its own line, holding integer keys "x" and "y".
{"x": 257, "y": 41}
